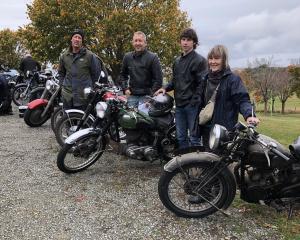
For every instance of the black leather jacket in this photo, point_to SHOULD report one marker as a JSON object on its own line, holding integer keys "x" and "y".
{"x": 141, "y": 73}
{"x": 187, "y": 81}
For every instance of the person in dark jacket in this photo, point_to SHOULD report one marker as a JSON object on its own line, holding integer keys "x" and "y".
{"x": 78, "y": 68}
{"x": 232, "y": 97}
{"x": 29, "y": 64}
{"x": 141, "y": 72}
{"x": 187, "y": 85}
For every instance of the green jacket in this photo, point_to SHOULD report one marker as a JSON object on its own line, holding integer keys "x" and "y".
{"x": 76, "y": 72}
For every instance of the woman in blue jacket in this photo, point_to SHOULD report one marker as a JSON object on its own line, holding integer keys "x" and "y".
{"x": 232, "y": 97}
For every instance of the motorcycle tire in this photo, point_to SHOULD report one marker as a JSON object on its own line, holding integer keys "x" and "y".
{"x": 55, "y": 117}
{"x": 67, "y": 125}
{"x": 178, "y": 189}
{"x": 32, "y": 117}
{"x": 84, "y": 152}
{"x": 16, "y": 95}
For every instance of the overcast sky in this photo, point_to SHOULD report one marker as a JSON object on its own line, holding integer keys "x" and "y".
{"x": 249, "y": 28}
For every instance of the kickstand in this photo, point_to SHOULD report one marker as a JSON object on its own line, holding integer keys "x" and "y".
{"x": 291, "y": 211}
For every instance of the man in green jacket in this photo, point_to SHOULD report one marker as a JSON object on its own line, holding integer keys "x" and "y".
{"x": 78, "y": 68}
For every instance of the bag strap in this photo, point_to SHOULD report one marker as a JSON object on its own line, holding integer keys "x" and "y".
{"x": 213, "y": 97}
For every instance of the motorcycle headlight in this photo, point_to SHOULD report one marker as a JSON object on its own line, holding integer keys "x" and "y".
{"x": 218, "y": 134}
{"x": 86, "y": 92}
{"x": 49, "y": 84}
{"x": 100, "y": 109}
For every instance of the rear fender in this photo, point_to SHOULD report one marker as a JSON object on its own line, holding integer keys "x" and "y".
{"x": 188, "y": 158}
{"x": 81, "y": 133}
{"x": 91, "y": 117}
{"x": 37, "y": 103}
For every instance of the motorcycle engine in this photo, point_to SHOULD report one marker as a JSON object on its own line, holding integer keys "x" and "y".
{"x": 258, "y": 182}
{"x": 146, "y": 153}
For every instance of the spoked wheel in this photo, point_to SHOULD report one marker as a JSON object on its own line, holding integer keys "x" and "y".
{"x": 19, "y": 97}
{"x": 83, "y": 153}
{"x": 33, "y": 117}
{"x": 56, "y": 116}
{"x": 190, "y": 191}
{"x": 67, "y": 125}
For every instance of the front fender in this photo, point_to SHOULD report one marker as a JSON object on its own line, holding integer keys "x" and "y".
{"x": 190, "y": 158}
{"x": 91, "y": 117}
{"x": 81, "y": 133}
{"x": 37, "y": 102}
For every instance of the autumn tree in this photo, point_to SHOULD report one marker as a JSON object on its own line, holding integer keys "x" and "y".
{"x": 283, "y": 86}
{"x": 10, "y": 48}
{"x": 261, "y": 79}
{"x": 108, "y": 25}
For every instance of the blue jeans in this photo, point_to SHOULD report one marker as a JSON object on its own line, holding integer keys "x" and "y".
{"x": 187, "y": 126}
{"x": 135, "y": 101}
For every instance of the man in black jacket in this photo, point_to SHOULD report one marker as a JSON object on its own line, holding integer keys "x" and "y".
{"x": 187, "y": 85}
{"x": 141, "y": 72}
{"x": 29, "y": 64}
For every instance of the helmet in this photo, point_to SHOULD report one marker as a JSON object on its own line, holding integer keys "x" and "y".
{"x": 160, "y": 105}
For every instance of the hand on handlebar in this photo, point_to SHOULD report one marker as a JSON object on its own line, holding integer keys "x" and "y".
{"x": 161, "y": 90}
{"x": 253, "y": 121}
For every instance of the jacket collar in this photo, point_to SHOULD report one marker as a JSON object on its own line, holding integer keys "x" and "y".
{"x": 226, "y": 73}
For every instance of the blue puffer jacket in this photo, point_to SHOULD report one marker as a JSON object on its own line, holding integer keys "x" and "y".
{"x": 232, "y": 98}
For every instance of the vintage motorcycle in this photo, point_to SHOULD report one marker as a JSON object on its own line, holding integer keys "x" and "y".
{"x": 74, "y": 119}
{"x": 149, "y": 137}
{"x": 200, "y": 183}
{"x": 40, "y": 110}
{"x": 31, "y": 89}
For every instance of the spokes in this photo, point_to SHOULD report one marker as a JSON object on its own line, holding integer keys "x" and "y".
{"x": 190, "y": 190}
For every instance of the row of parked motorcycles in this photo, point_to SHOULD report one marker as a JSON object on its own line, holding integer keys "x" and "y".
{"x": 195, "y": 182}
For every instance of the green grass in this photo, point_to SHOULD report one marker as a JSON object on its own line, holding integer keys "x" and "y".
{"x": 292, "y": 105}
{"x": 269, "y": 218}
{"x": 284, "y": 129}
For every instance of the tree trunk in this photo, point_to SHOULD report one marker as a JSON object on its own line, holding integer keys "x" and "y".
{"x": 282, "y": 107}
{"x": 265, "y": 107}
{"x": 273, "y": 103}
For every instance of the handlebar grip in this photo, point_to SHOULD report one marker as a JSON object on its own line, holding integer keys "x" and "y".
{"x": 280, "y": 154}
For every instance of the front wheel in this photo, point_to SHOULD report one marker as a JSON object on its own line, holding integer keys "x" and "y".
{"x": 55, "y": 117}
{"x": 193, "y": 191}
{"x": 68, "y": 124}
{"x": 19, "y": 97}
{"x": 33, "y": 117}
{"x": 83, "y": 153}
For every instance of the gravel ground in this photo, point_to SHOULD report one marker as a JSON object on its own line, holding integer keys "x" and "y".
{"x": 116, "y": 198}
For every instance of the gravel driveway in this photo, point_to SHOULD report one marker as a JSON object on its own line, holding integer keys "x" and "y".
{"x": 116, "y": 198}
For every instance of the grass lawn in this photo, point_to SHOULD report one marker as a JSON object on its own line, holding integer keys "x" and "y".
{"x": 285, "y": 129}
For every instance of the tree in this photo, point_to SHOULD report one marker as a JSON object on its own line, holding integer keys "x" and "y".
{"x": 294, "y": 71}
{"x": 283, "y": 86}
{"x": 10, "y": 48}
{"x": 262, "y": 76}
{"x": 108, "y": 25}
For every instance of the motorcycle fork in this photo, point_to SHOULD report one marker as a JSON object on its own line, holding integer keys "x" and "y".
{"x": 50, "y": 103}
{"x": 205, "y": 181}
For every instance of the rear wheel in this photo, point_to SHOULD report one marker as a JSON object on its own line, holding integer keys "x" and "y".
{"x": 67, "y": 125}
{"x": 83, "y": 153}
{"x": 33, "y": 118}
{"x": 190, "y": 191}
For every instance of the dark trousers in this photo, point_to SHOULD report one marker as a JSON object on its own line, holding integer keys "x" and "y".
{"x": 187, "y": 126}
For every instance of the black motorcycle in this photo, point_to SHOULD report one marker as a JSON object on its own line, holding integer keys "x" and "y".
{"x": 31, "y": 89}
{"x": 200, "y": 183}
{"x": 149, "y": 137}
